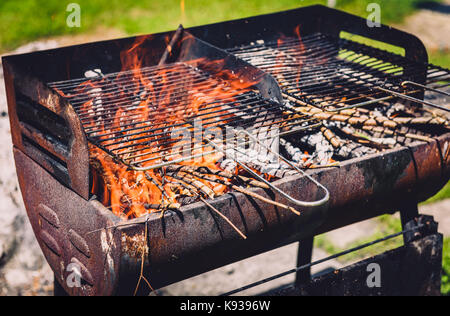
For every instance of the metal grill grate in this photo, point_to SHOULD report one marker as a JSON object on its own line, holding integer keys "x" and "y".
{"x": 134, "y": 115}
{"x": 335, "y": 75}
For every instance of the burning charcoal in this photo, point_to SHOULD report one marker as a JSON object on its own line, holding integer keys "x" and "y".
{"x": 323, "y": 149}
{"x": 348, "y": 148}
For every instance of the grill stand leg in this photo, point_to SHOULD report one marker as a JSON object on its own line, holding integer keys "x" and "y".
{"x": 409, "y": 214}
{"x": 58, "y": 290}
{"x": 305, "y": 250}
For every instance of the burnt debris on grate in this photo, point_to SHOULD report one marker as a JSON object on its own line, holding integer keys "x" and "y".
{"x": 353, "y": 89}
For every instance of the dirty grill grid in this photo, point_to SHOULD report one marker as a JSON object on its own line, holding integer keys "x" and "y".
{"x": 134, "y": 115}
{"x": 331, "y": 74}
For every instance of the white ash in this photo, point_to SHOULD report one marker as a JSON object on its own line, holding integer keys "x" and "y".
{"x": 95, "y": 94}
{"x": 295, "y": 154}
{"x": 323, "y": 152}
{"x": 349, "y": 148}
{"x": 255, "y": 160}
{"x": 389, "y": 111}
{"x": 93, "y": 73}
{"x": 278, "y": 170}
{"x": 384, "y": 141}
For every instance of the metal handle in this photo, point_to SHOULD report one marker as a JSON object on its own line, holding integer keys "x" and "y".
{"x": 320, "y": 202}
{"x": 406, "y": 83}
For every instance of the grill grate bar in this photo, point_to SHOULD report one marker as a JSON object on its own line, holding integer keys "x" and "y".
{"x": 105, "y": 85}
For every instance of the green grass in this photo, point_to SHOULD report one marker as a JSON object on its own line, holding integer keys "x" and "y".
{"x": 442, "y": 195}
{"x": 446, "y": 268}
{"x": 440, "y": 58}
{"x": 27, "y": 20}
{"x": 393, "y": 11}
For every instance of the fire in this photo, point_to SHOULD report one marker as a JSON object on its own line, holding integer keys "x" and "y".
{"x": 146, "y": 126}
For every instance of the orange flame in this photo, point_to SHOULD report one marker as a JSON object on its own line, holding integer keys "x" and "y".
{"x": 132, "y": 193}
{"x": 183, "y": 11}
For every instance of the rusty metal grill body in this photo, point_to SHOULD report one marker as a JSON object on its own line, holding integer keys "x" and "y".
{"x": 51, "y": 134}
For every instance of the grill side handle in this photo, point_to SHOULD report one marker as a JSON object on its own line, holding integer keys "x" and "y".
{"x": 46, "y": 128}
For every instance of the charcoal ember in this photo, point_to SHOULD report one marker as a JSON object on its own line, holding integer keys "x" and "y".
{"x": 345, "y": 151}
{"x": 264, "y": 162}
{"x": 385, "y": 141}
{"x": 391, "y": 110}
{"x": 186, "y": 199}
{"x": 349, "y": 149}
{"x": 323, "y": 152}
{"x": 354, "y": 150}
{"x": 276, "y": 170}
{"x": 295, "y": 153}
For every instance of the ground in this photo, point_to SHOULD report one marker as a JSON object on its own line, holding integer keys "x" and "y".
{"x": 23, "y": 270}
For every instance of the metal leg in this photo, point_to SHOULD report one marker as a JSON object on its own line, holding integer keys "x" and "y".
{"x": 305, "y": 250}
{"x": 409, "y": 213}
{"x": 58, "y": 290}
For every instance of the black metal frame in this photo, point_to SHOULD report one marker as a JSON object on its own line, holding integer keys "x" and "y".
{"x": 413, "y": 269}
{"x": 409, "y": 215}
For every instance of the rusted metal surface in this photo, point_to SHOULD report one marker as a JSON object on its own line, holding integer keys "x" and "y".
{"x": 381, "y": 184}
{"x": 62, "y": 220}
{"x": 194, "y": 241}
{"x": 75, "y": 156}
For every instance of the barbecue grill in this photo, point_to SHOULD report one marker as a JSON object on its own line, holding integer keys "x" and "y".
{"x": 266, "y": 67}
